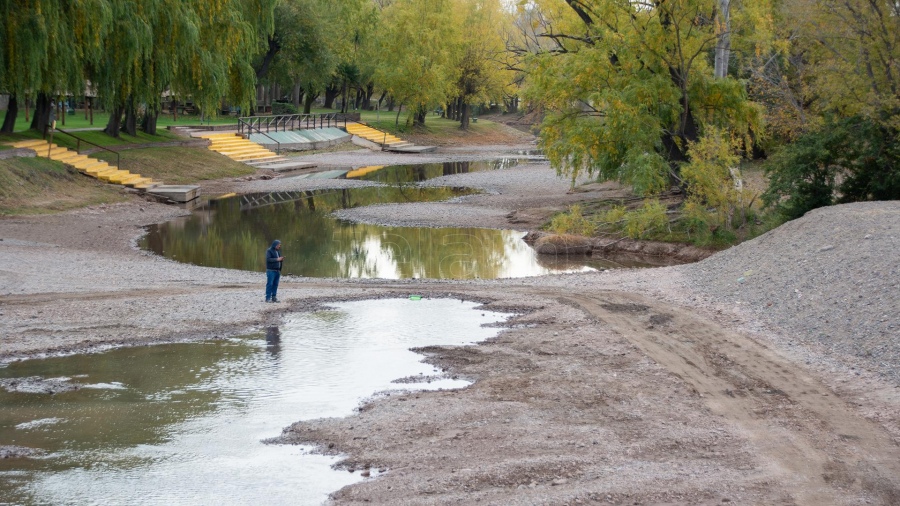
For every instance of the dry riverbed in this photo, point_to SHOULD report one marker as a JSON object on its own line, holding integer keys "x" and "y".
{"x": 765, "y": 374}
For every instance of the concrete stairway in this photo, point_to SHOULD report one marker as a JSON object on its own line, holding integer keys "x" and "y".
{"x": 362, "y": 171}
{"x": 86, "y": 165}
{"x": 386, "y": 140}
{"x": 240, "y": 149}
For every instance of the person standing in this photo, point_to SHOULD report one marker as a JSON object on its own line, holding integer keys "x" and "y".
{"x": 273, "y": 270}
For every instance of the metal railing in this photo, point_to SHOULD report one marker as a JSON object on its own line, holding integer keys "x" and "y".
{"x": 250, "y": 126}
{"x": 79, "y": 140}
{"x": 286, "y": 122}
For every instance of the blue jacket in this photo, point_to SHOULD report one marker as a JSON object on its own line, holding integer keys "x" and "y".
{"x": 271, "y": 255}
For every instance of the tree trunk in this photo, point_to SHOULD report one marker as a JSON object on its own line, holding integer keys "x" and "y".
{"x": 9, "y": 121}
{"x": 464, "y": 117}
{"x": 148, "y": 125}
{"x": 42, "y": 110}
{"x": 419, "y": 116}
{"x": 344, "y": 97}
{"x": 397, "y": 119}
{"x": 512, "y": 105}
{"x": 130, "y": 125}
{"x": 114, "y": 125}
{"x": 391, "y": 103}
{"x": 263, "y": 68}
{"x": 308, "y": 102}
{"x": 723, "y": 38}
{"x": 296, "y": 95}
{"x": 331, "y": 92}
{"x": 367, "y": 100}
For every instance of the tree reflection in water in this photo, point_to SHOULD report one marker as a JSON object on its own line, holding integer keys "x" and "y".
{"x": 235, "y": 232}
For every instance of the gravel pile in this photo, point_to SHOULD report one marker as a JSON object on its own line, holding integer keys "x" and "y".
{"x": 831, "y": 279}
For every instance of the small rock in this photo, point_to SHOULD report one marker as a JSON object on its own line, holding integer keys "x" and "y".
{"x": 560, "y": 481}
{"x": 826, "y": 248}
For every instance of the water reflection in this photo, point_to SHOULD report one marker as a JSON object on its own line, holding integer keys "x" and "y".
{"x": 234, "y": 232}
{"x": 398, "y": 174}
{"x": 185, "y": 423}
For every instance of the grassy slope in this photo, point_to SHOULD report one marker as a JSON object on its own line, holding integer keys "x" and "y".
{"x": 38, "y": 185}
{"x": 180, "y": 165}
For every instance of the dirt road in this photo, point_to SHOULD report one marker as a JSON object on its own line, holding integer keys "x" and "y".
{"x": 617, "y": 398}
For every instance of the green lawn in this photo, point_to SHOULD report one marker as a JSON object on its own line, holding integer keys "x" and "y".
{"x": 78, "y": 120}
{"x": 95, "y": 137}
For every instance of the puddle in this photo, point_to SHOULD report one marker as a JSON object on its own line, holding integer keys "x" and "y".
{"x": 182, "y": 424}
{"x": 234, "y": 233}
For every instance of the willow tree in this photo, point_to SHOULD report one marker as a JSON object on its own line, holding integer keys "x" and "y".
{"x": 416, "y": 64}
{"x": 45, "y": 45}
{"x": 221, "y": 65}
{"x": 199, "y": 49}
{"x": 627, "y": 87}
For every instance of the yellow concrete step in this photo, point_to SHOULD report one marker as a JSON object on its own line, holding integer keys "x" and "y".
{"x": 54, "y": 152}
{"x": 104, "y": 176}
{"x": 116, "y": 177}
{"x": 234, "y": 146}
{"x": 67, "y": 156}
{"x": 73, "y": 160}
{"x": 94, "y": 167}
{"x": 254, "y": 156}
{"x": 145, "y": 186}
{"x": 227, "y": 145}
{"x": 30, "y": 143}
{"x": 100, "y": 175}
{"x": 231, "y": 153}
{"x": 136, "y": 180}
{"x": 220, "y": 135}
{"x": 363, "y": 171}
{"x": 230, "y": 139}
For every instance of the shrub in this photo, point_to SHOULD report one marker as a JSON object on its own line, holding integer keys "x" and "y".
{"x": 284, "y": 108}
{"x": 849, "y": 160}
{"x": 651, "y": 216}
{"x": 573, "y": 222}
{"x": 714, "y": 182}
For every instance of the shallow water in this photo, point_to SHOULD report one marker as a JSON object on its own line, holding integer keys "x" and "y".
{"x": 399, "y": 174}
{"x": 235, "y": 232}
{"x": 182, "y": 423}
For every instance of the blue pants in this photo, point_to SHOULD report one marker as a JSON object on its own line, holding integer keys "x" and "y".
{"x": 272, "y": 277}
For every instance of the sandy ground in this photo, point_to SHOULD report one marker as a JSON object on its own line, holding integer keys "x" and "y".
{"x": 658, "y": 386}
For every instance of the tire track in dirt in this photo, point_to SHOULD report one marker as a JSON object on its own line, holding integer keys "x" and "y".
{"x": 812, "y": 440}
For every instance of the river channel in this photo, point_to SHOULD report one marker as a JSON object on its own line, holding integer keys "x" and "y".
{"x": 234, "y": 232}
